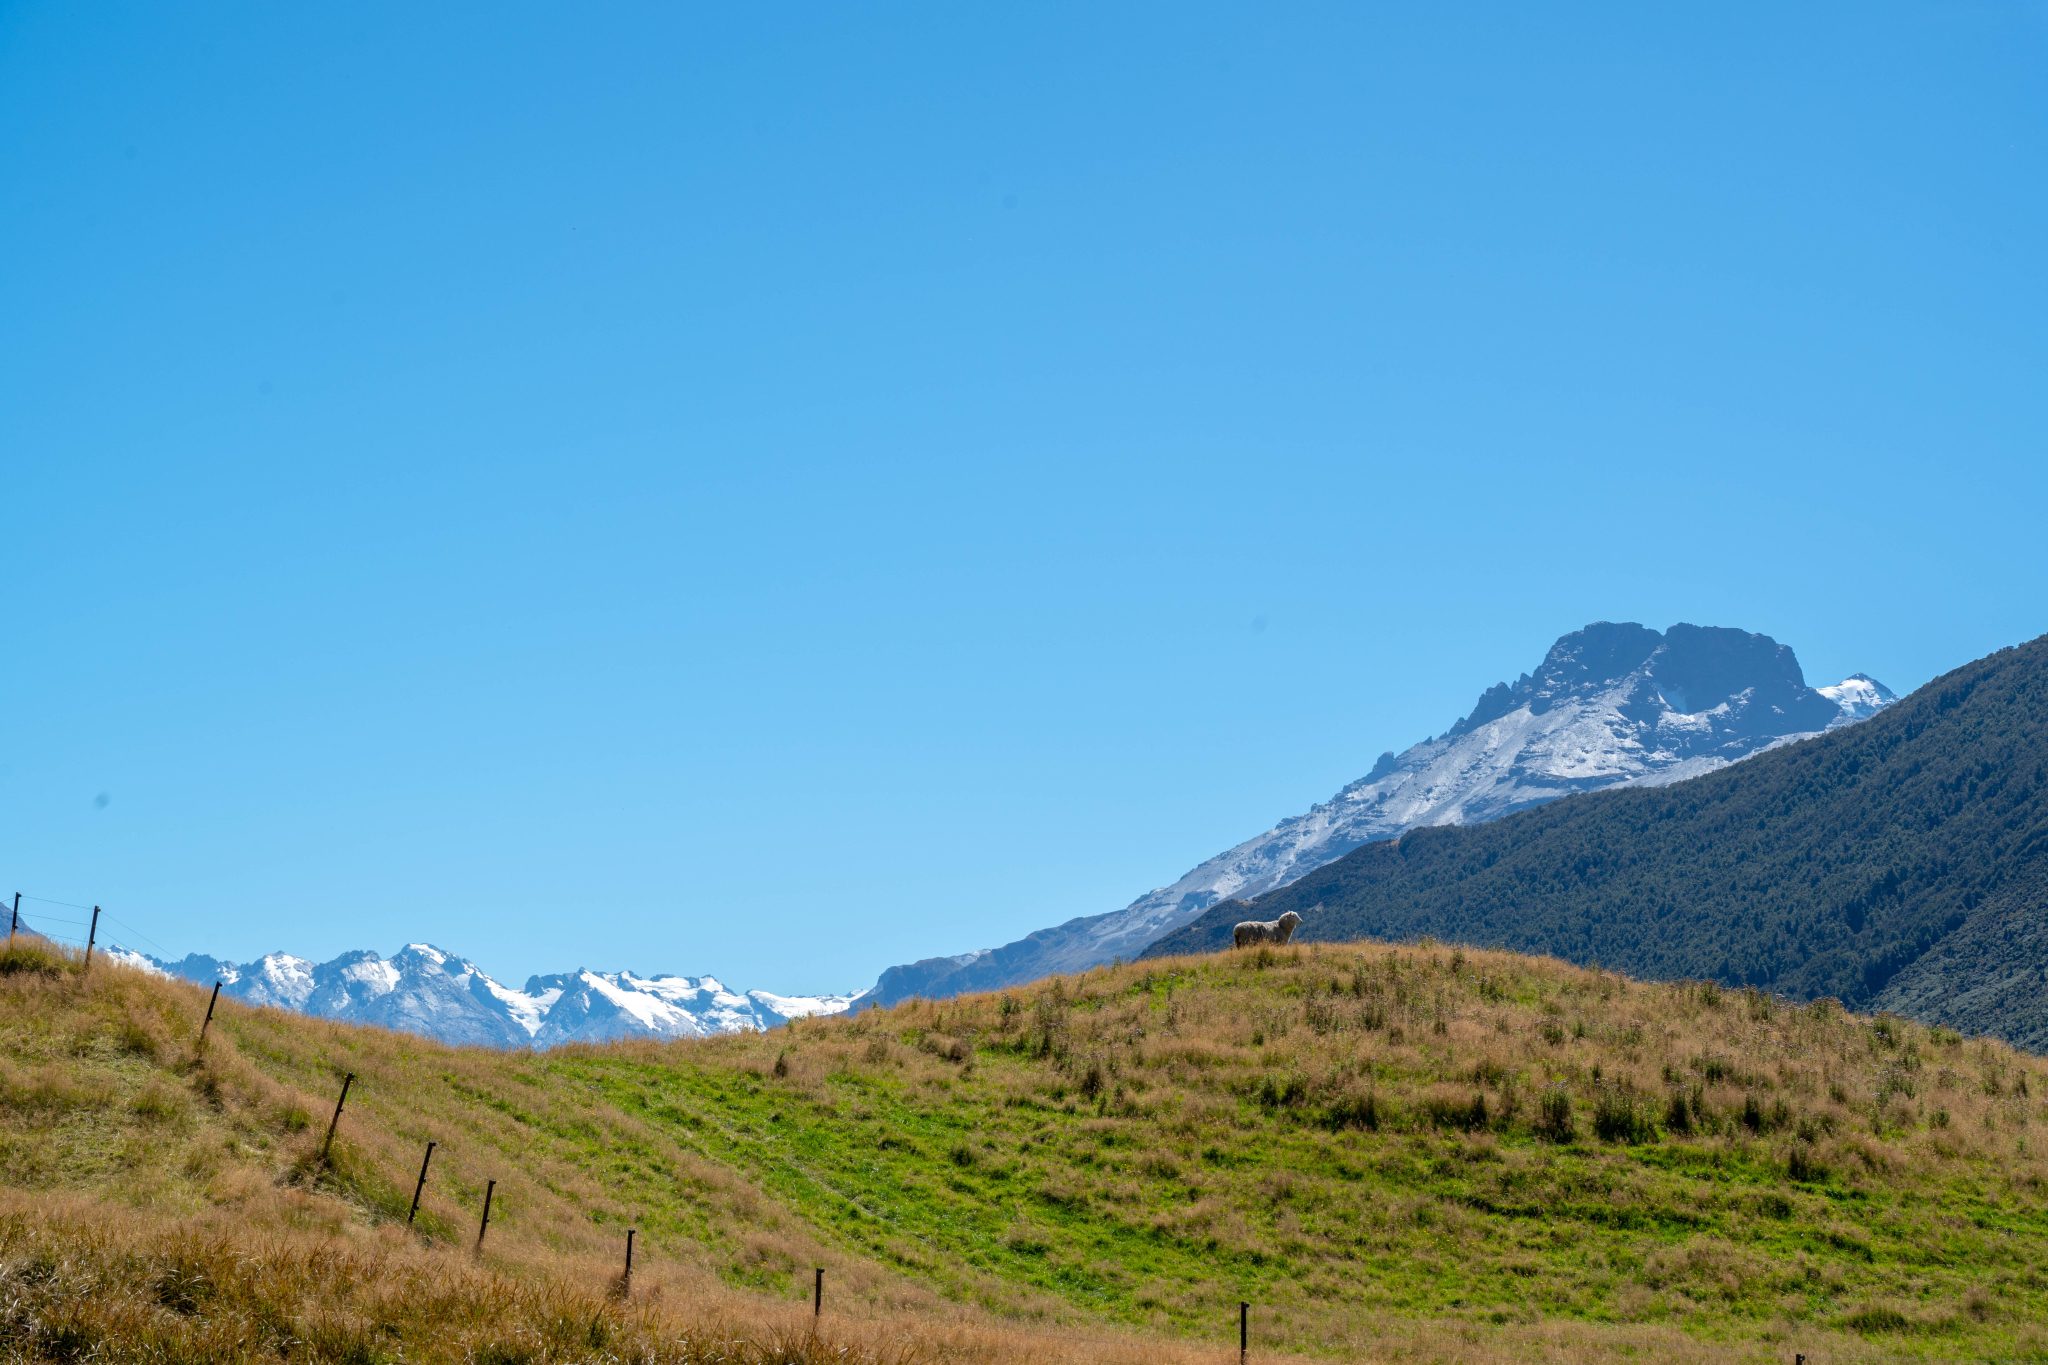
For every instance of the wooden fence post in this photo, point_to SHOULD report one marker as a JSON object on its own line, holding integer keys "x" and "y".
{"x": 208, "y": 1022}
{"x": 335, "y": 1122}
{"x": 818, "y": 1296}
{"x": 1244, "y": 1332}
{"x": 90, "y": 935}
{"x": 16, "y": 924}
{"x": 484, "y": 1226}
{"x": 410, "y": 1215}
{"x": 629, "y": 1254}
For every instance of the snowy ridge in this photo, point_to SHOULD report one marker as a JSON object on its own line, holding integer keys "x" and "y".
{"x": 128, "y": 957}
{"x": 1859, "y": 695}
{"x": 427, "y": 990}
{"x": 1610, "y": 705}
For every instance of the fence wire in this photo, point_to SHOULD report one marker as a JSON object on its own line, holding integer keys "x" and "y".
{"x": 139, "y": 934}
{"x": 38, "y": 924}
{"x": 45, "y": 900}
{"x": 77, "y": 939}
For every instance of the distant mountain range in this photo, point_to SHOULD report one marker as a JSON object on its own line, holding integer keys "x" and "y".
{"x": 1611, "y": 705}
{"x": 1901, "y": 864}
{"x": 422, "y": 989}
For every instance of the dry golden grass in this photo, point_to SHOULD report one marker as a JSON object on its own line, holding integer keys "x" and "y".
{"x": 86, "y": 1282}
{"x": 82, "y": 1282}
{"x": 1445, "y": 1024}
{"x": 168, "y": 1202}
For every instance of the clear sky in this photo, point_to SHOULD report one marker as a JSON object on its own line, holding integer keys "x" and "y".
{"x": 785, "y": 490}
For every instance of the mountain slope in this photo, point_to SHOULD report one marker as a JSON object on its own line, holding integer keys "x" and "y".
{"x": 1610, "y": 705}
{"x": 1840, "y": 865}
{"x": 422, "y": 989}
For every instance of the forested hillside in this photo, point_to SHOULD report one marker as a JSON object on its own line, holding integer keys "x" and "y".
{"x": 1830, "y": 867}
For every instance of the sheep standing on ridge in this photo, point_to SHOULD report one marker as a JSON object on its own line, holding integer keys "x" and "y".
{"x": 1266, "y": 930}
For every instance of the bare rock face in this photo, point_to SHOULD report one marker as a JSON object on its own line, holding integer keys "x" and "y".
{"x": 1610, "y": 705}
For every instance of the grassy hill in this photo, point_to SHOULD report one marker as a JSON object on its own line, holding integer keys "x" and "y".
{"x": 1392, "y": 1152}
{"x": 1899, "y": 863}
{"x": 166, "y": 1201}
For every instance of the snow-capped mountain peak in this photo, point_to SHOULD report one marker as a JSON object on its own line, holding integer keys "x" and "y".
{"x": 1610, "y": 705}
{"x": 274, "y": 979}
{"x": 1859, "y": 695}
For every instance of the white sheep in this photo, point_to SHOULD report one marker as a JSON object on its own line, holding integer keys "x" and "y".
{"x": 1266, "y": 930}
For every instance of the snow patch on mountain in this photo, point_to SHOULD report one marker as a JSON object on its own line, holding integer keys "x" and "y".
{"x": 128, "y": 957}
{"x": 278, "y": 979}
{"x": 528, "y": 1009}
{"x": 786, "y": 1007}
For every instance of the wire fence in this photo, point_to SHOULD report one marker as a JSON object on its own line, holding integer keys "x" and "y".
{"x": 45, "y": 900}
{"x": 45, "y": 926}
{"x": 40, "y": 923}
{"x": 74, "y": 940}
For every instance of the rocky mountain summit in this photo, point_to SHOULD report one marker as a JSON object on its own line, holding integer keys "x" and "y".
{"x": 422, "y": 989}
{"x": 1613, "y": 704}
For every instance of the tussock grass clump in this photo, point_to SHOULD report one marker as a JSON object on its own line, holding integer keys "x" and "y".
{"x": 37, "y": 955}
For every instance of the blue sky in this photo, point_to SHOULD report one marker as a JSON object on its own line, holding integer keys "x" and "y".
{"x": 781, "y": 492}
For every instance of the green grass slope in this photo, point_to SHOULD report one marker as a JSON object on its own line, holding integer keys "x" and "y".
{"x": 1825, "y": 868}
{"x": 1362, "y": 1136}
